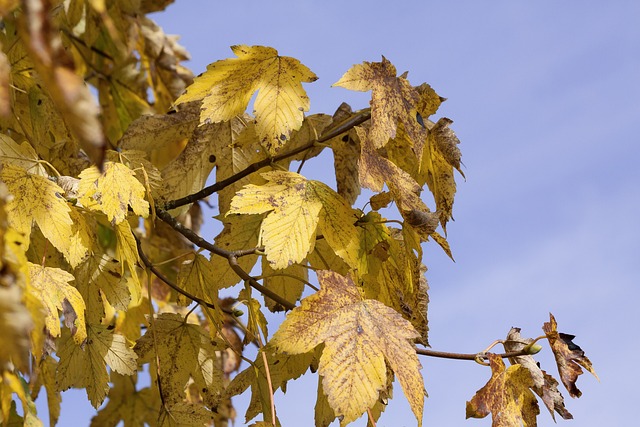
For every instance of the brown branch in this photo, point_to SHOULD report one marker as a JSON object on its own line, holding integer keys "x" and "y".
{"x": 467, "y": 356}
{"x": 340, "y": 128}
{"x": 231, "y": 256}
{"x": 147, "y": 262}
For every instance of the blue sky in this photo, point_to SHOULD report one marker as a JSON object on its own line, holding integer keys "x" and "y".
{"x": 544, "y": 97}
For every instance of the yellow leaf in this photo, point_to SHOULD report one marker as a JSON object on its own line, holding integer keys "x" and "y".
{"x": 51, "y": 285}
{"x": 337, "y": 223}
{"x": 393, "y": 100}
{"x": 125, "y": 403}
{"x": 288, "y": 283}
{"x": 127, "y": 254}
{"x": 239, "y": 232}
{"x": 346, "y": 152}
{"x": 184, "y": 414}
{"x": 15, "y": 323}
{"x": 11, "y": 383}
{"x": 359, "y": 335}
{"x": 227, "y": 86}
{"x": 288, "y": 231}
{"x": 21, "y": 155}
{"x": 506, "y": 396}
{"x": 37, "y": 199}
{"x": 186, "y": 352}
{"x": 46, "y": 376}
{"x": 101, "y": 275}
{"x": 86, "y": 366}
{"x": 112, "y": 191}
{"x": 197, "y": 277}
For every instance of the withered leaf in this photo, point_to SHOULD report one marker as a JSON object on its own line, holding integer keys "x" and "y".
{"x": 569, "y": 356}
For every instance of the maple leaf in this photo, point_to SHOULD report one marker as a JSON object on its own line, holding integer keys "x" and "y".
{"x": 227, "y": 86}
{"x": 569, "y": 356}
{"x": 186, "y": 352}
{"x": 37, "y": 199}
{"x": 544, "y": 384}
{"x": 288, "y": 283}
{"x": 393, "y": 100}
{"x": 295, "y": 207}
{"x": 52, "y": 287}
{"x": 506, "y": 396}
{"x": 239, "y": 232}
{"x": 86, "y": 366}
{"x": 46, "y": 376}
{"x": 127, "y": 404}
{"x": 22, "y": 155}
{"x": 198, "y": 277}
{"x": 346, "y": 152}
{"x": 112, "y": 191}
{"x": 360, "y": 336}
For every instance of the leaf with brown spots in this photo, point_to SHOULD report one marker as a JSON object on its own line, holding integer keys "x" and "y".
{"x": 393, "y": 101}
{"x": 506, "y": 396}
{"x": 360, "y": 336}
{"x": 569, "y": 356}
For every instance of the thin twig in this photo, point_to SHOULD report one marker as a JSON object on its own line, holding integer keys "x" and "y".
{"x": 340, "y": 128}
{"x": 466, "y": 356}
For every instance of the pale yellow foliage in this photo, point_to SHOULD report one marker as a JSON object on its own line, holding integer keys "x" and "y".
{"x": 227, "y": 86}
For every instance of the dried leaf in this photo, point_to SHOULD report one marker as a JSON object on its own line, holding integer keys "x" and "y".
{"x": 569, "y": 356}
{"x": 506, "y": 396}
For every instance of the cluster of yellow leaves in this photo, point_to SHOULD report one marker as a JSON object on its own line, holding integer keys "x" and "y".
{"x": 85, "y": 260}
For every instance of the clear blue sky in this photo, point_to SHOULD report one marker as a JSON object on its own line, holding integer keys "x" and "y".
{"x": 545, "y": 99}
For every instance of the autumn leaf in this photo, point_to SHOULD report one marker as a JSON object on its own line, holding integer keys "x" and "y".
{"x": 46, "y": 376}
{"x": 11, "y": 383}
{"x": 186, "y": 351}
{"x": 127, "y": 404}
{"x": 295, "y": 208}
{"x": 569, "y": 356}
{"x": 544, "y": 384}
{"x": 393, "y": 100}
{"x": 22, "y": 155}
{"x": 346, "y": 153}
{"x": 288, "y": 231}
{"x": 86, "y": 366}
{"x": 37, "y": 199}
{"x": 239, "y": 232}
{"x": 51, "y": 285}
{"x": 227, "y": 86}
{"x": 360, "y": 337}
{"x": 197, "y": 277}
{"x": 288, "y": 283}
{"x": 112, "y": 192}
{"x": 506, "y": 396}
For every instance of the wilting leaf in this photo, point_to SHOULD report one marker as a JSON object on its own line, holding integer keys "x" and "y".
{"x": 197, "y": 277}
{"x": 393, "y": 101}
{"x": 569, "y": 356}
{"x": 544, "y": 384}
{"x": 227, "y": 86}
{"x": 346, "y": 153}
{"x": 15, "y": 325}
{"x": 506, "y": 396}
{"x": 360, "y": 337}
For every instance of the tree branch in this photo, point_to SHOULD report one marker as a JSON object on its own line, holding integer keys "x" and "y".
{"x": 344, "y": 126}
{"x": 231, "y": 256}
{"x": 467, "y": 356}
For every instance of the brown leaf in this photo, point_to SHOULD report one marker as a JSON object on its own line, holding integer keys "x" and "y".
{"x": 544, "y": 384}
{"x": 506, "y": 396}
{"x": 346, "y": 154}
{"x": 447, "y": 142}
{"x": 569, "y": 356}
